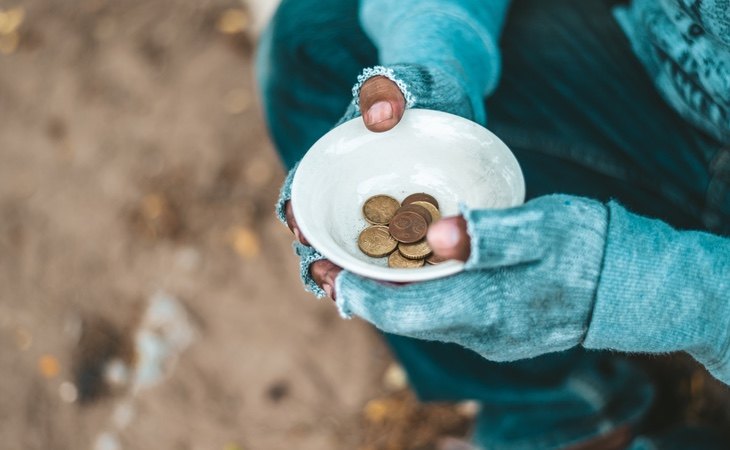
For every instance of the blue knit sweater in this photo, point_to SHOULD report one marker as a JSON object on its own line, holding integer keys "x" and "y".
{"x": 660, "y": 290}
{"x": 625, "y": 282}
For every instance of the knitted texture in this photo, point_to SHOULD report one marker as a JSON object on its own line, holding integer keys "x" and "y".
{"x": 663, "y": 290}
{"x": 307, "y": 256}
{"x": 285, "y": 195}
{"x": 527, "y": 289}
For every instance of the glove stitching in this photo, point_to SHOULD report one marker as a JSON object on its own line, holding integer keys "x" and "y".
{"x": 386, "y": 72}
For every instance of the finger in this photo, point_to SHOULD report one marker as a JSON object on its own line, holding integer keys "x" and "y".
{"x": 324, "y": 273}
{"x": 291, "y": 222}
{"x": 382, "y": 104}
{"x": 449, "y": 239}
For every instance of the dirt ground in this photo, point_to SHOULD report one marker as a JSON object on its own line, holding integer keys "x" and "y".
{"x": 148, "y": 297}
{"x": 134, "y": 164}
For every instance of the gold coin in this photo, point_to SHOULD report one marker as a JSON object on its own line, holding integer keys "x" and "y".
{"x": 378, "y": 210}
{"x": 417, "y": 250}
{"x": 434, "y": 211}
{"x": 434, "y": 259}
{"x": 398, "y": 261}
{"x": 376, "y": 241}
{"x": 421, "y": 196}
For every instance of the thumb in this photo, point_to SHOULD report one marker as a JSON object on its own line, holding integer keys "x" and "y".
{"x": 382, "y": 104}
{"x": 448, "y": 238}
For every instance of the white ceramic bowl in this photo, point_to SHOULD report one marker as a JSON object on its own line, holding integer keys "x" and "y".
{"x": 451, "y": 158}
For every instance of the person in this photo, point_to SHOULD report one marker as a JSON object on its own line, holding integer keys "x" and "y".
{"x": 619, "y": 114}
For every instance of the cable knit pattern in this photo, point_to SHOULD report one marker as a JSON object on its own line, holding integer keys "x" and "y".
{"x": 527, "y": 289}
{"x": 685, "y": 47}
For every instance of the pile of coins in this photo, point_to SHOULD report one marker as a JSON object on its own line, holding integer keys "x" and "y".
{"x": 398, "y": 230}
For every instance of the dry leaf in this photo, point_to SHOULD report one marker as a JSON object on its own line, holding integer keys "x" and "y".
{"x": 49, "y": 366}
{"x": 245, "y": 242}
{"x": 232, "y": 21}
{"x": 11, "y": 19}
{"x": 9, "y": 42}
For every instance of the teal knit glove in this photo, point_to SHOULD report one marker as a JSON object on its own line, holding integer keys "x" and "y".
{"x": 528, "y": 287}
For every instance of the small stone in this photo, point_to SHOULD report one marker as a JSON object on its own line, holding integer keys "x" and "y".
{"x": 68, "y": 392}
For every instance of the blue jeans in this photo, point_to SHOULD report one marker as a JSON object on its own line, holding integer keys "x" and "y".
{"x": 582, "y": 118}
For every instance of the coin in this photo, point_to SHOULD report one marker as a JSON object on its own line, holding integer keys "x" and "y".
{"x": 408, "y": 227}
{"x": 376, "y": 241}
{"x": 417, "y": 250}
{"x": 398, "y": 261}
{"x": 421, "y": 197}
{"x": 434, "y": 259}
{"x": 380, "y": 209}
{"x": 435, "y": 214}
{"x": 420, "y": 210}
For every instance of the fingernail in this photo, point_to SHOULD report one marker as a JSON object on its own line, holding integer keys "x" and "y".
{"x": 379, "y": 112}
{"x": 328, "y": 289}
{"x": 443, "y": 235}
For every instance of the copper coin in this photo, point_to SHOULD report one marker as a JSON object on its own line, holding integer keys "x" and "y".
{"x": 418, "y": 210}
{"x": 398, "y": 261}
{"x": 379, "y": 209}
{"x": 417, "y": 250}
{"x": 435, "y": 214}
{"x": 408, "y": 227}
{"x": 376, "y": 241}
{"x": 420, "y": 197}
{"x": 434, "y": 259}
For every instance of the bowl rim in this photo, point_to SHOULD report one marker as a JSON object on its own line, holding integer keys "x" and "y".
{"x": 362, "y": 268}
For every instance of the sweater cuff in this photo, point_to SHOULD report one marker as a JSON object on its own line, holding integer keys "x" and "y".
{"x": 662, "y": 290}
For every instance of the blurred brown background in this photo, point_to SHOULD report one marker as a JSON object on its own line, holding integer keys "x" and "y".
{"x": 148, "y": 297}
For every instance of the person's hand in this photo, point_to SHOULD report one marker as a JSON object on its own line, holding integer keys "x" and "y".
{"x": 528, "y": 286}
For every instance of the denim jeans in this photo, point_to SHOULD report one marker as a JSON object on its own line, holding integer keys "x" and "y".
{"x": 583, "y": 118}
